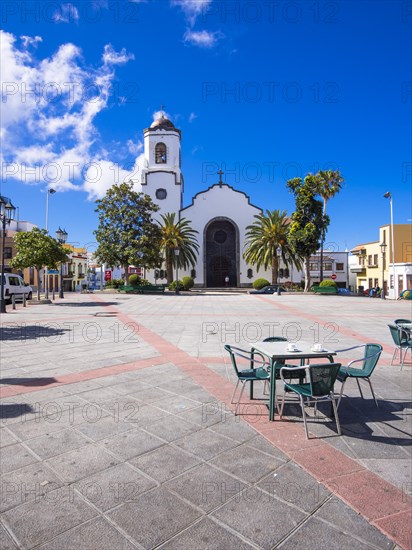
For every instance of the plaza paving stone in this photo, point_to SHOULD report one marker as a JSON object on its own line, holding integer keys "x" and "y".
{"x": 117, "y": 429}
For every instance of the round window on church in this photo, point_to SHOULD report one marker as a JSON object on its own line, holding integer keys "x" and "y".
{"x": 161, "y": 194}
{"x": 220, "y": 236}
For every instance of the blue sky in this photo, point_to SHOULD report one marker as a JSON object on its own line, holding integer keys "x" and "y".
{"x": 267, "y": 90}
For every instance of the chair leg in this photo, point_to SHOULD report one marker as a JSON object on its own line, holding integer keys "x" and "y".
{"x": 394, "y": 355}
{"x": 240, "y": 397}
{"x": 234, "y": 391}
{"x": 302, "y": 404}
{"x": 373, "y": 393}
{"x": 360, "y": 389}
{"x": 282, "y": 405}
{"x": 335, "y": 410}
{"x": 341, "y": 392}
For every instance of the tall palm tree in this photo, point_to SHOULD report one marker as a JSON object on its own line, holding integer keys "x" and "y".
{"x": 177, "y": 234}
{"x": 328, "y": 184}
{"x": 263, "y": 239}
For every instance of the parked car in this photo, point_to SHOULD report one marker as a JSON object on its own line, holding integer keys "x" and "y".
{"x": 269, "y": 289}
{"x": 14, "y": 285}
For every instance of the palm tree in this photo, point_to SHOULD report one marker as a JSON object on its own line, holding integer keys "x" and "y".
{"x": 328, "y": 184}
{"x": 177, "y": 235}
{"x": 263, "y": 239}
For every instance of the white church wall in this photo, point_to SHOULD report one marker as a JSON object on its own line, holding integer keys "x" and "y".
{"x": 167, "y": 181}
{"x": 221, "y": 202}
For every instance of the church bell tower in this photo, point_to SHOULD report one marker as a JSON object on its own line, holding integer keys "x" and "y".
{"x": 162, "y": 178}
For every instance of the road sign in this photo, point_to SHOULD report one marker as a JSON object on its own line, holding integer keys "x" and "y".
{"x": 53, "y": 271}
{"x": 333, "y": 277}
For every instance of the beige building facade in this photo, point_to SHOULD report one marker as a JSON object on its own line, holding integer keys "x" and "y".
{"x": 390, "y": 270}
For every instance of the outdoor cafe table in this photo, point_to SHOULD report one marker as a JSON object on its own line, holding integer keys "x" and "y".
{"x": 278, "y": 354}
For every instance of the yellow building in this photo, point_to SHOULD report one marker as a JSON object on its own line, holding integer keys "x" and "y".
{"x": 393, "y": 272}
{"x": 75, "y": 276}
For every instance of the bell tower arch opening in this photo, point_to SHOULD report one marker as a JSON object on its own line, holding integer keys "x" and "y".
{"x": 221, "y": 240}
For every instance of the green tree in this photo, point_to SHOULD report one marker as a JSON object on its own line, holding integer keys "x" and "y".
{"x": 37, "y": 249}
{"x": 177, "y": 234}
{"x": 328, "y": 184}
{"x": 127, "y": 234}
{"x": 308, "y": 221}
{"x": 263, "y": 239}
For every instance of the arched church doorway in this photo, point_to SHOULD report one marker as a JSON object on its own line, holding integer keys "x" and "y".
{"x": 221, "y": 248}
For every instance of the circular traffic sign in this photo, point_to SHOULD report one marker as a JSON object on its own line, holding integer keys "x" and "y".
{"x": 333, "y": 277}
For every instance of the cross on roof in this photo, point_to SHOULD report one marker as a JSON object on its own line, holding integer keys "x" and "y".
{"x": 162, "y": 108}
{"x": 220, "y": 173}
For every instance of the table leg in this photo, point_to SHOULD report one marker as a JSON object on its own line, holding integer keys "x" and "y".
{"x": 251, "y": 367}
{"x": 272, "y": 391}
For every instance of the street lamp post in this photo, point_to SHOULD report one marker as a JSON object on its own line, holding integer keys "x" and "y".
{"x": 383, "y": 246}
{"x": 46, "y": 269}
{"x": 177, "y": 252}
{"x": 388, "y": 195}
{"x": 61, "y": 236}
{"x": 278, "y": 253}
{"x": 7, "y": 213}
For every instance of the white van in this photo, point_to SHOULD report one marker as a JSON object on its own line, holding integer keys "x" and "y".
{"x": 14, "y": 285}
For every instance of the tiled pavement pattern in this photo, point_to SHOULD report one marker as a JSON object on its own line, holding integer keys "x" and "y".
{"x": 117, "y": 430}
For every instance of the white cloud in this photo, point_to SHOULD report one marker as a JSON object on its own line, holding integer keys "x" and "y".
{"x": 159, "y": 114}
{"x": 203, "y": 39}
{"x": 66, "y": 13}
{"x": 192, "y": 117}
{"x": 30, "y": 40}
{"x": 111, "y": 57}
{"x": 49, "y": 119}
{"x": 134, "y": 148}
{"x": 191, "y": 8}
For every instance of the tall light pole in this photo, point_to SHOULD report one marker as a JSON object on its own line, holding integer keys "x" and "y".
{"x": 6, "y": 215}
{"x": 46, "y": 269}
{"x": 61, "y": 236}
{"x": 177, "y": 252}
{"x": 383, "y": 246}
{"x": 388, "y": 195}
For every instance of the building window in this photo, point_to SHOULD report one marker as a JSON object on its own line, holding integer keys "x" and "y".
{"x": 286, "y": 273}
{"x": 249, "y": 273}
{"x": 7, "y": 252}
{"x": 281, "y": 275}
{"x": 327, "y": 266}
{"x": 193, "y": 273}
{"x": 314, "y": 266}
{"x": 339, "y": 267}
{"x": 161, "y": 194}
{"x": 375, "y": 259}
{"x": 160, "y": 153}
{"x": 369, "y": 260}
{"x": 362, "y": 261}
{"x": 162, "y": 274}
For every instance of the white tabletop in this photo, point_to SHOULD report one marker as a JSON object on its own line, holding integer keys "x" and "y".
{"x": 278, "y": 350}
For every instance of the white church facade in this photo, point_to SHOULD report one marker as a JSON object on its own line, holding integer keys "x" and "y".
{"x": 220, "y": 214}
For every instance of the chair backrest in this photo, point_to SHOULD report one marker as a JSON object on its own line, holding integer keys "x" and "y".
{"x": 275, "y": 339}
{"x": 399, "y": 336}
{"x": 322, "y": 378}
{"x": 401, "y": 321}
{"x": 245, "y": 354}
{"x": 370, "y": 358}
